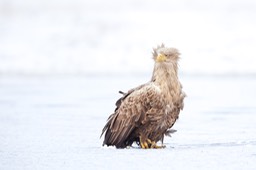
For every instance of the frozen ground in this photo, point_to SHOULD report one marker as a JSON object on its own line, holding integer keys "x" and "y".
{"x": 54, "y": 122}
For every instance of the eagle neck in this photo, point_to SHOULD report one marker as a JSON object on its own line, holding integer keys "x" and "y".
{"x": 165, "y": 76}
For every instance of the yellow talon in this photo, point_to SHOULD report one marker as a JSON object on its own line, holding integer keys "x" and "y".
{"x": 149, "y": 141}
{"x": 155, "y": 146}
{"x": 144, "y": 144}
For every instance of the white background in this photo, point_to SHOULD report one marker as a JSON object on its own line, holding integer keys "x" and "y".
{"x": 82, "y": 36}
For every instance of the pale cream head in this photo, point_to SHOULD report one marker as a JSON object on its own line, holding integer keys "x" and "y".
{"x": 164, "y": 54}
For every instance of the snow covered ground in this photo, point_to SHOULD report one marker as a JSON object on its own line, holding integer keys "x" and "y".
{"x": 63, "y": 62}
{"x": 54, "y": 122}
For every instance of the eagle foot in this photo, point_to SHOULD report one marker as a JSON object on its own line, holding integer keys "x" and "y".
{"x": 155, "y": 146}
{"x": 147, "y": 143}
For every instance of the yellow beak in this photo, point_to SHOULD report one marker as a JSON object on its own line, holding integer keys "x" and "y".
{"x": 160, "y": 58}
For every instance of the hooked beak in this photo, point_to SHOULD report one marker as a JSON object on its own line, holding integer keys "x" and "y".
{"x": 161, "y": 58}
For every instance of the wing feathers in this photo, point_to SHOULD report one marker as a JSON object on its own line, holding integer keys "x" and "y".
{"x": 130, "y": 113}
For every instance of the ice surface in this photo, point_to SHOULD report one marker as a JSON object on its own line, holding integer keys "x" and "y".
{"x": 54, "y": 122}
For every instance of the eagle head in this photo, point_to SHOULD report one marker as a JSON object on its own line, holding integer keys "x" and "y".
{"x": 164, "y": 54}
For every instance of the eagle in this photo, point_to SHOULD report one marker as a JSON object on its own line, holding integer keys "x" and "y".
{"x": 145, "y": 114}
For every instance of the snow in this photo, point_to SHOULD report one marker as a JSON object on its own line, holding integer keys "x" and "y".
{"x": 74, "y": 37}
{"x": 54, "y": 122}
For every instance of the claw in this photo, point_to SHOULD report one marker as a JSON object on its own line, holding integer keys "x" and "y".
{"x": 142, "y": 145}
{"x": 149, "y": 141}
{"x": 155, "y": 146}
{"x": 145, "y": 144}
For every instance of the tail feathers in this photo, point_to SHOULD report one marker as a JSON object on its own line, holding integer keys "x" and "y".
{"x": 110, "y": 138}
{"x": 109, "y": 141}
{"x": 106, "y": 127}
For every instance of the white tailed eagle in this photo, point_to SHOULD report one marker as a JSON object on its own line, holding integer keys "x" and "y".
{"x": 146, "y": 113}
